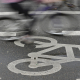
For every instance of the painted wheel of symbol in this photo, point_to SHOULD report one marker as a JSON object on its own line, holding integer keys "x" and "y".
{"x": 55, "y": 67}
{"x": 42, "y": 44}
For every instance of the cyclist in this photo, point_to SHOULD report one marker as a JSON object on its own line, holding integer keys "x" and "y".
{"x": 14, "y": 4}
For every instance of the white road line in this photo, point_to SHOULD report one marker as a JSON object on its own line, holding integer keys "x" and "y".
{"x": 53, "y": 12}
{"x": 77, "y": 79}
{"x": 43, "y": 12}
{"x": 7, "y": 13}
{"x": 7, "y": 33}
{"x": 71, "y": 33}
{"x": 65, "y": 33}
{"x": 11, "y": 33}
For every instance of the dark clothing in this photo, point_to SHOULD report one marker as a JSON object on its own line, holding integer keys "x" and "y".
{"x": 20, "y": 9}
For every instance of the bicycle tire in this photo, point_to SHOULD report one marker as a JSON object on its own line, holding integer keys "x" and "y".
{"x": 7, "y": 26}
{"x": 70, "y": 21}
{"x": 55, "y": 67}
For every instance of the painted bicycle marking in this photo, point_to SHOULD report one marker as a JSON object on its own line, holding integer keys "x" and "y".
{"x": 35, "y": 57}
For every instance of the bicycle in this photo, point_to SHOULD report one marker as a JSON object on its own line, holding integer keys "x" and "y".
{"x": 40, "y": 59}
{"x": 51, "y": 19}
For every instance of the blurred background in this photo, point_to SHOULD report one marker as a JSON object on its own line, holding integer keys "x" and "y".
{"x": 33, "y": 6}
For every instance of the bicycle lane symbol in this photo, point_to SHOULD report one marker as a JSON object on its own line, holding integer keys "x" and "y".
{"x": 35, "y": 58}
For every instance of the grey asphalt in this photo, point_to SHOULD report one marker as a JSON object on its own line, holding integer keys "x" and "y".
{"x": 10, "y": 52}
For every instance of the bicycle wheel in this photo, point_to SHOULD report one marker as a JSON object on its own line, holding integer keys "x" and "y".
{"x": 55, "y": 67}
{"x": 9, "y": 27}
{"x": 55, "y": 24}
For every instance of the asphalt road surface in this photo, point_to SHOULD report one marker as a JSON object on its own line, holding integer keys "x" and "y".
{"x": 50, "y": 57}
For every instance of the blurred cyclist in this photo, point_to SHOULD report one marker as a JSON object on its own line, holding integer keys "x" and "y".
{"x": 14, "y": 4}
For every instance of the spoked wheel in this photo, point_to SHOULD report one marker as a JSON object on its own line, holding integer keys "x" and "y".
{"x": 57, "y": 23}
{"x": 10, "y": 28}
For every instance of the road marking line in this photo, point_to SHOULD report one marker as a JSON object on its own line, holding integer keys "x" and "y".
{"x": 77, "y": 79}
{"x": 7, "y": 33}
{"x": 7, "y": 13}
{"x": 54, "y": 12}
{"x": 11, "y": 33}
{"x": 65, "y": 33}
{"x": 71, "y": 33}
{"x": 42, "y": 12}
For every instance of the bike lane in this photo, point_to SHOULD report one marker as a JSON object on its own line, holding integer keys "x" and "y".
{"x": 12, "y": 51}
{"x": 15, "y": 59}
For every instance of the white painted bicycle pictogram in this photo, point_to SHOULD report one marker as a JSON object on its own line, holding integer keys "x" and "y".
{"x": 36, "y": 57}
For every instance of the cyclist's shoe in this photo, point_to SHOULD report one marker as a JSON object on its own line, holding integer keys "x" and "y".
{"x": 26, "y": 39}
